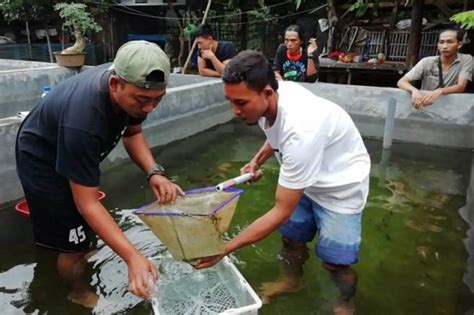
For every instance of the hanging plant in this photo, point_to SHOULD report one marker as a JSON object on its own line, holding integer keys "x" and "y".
{"x": 465, "y": 19}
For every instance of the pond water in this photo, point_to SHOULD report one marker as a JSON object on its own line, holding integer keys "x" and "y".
{"x": 412, "y": 260}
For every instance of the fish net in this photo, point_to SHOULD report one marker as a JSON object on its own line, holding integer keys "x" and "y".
{"x": 192, "y": 227}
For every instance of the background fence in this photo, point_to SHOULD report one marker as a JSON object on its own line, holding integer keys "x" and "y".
{"x": 394, "y": 44}
{"x": 39, "y": 52}
{"x": 398, "y": 44}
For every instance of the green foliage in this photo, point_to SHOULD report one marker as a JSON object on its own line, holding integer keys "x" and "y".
{"x": 25, "y": 10}
{"x": 465, "y": 19}
{"x": 263, "y": 12}
{"x": 298, "y": 3}
{"x": 100, "y": 6}
{"x": 360, "y": 8}
{"x": 189, "y": 30}
{"x": 76, "y": 15}
{"x": 41, "y": 10}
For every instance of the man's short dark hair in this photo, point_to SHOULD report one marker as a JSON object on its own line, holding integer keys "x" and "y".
{"x": 251, "y": 67}
{"x": 205, "y": 31}
{"x": 459, "y": 33}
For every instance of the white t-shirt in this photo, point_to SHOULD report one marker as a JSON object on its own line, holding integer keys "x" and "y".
{"x": 320, "y": 150}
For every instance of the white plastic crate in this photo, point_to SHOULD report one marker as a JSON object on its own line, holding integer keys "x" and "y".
{"x": 218, "y": 290}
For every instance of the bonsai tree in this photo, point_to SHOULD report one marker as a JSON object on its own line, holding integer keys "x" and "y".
{"x": 76, "y": 16}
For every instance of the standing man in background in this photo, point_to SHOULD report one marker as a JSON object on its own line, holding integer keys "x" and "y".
{"x": 450, "y": 72}
{"x": 212, "y": 55}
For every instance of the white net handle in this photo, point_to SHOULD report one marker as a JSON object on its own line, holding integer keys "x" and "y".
{"x": 234, "y": 181}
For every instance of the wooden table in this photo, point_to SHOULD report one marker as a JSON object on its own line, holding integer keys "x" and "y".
{"x": 388, "y": 66}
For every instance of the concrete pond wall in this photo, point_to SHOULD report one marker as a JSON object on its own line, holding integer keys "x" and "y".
{"x": 22, "y": 82}
{"x": 448, "y": 123}
{"x": 194, "y": 104}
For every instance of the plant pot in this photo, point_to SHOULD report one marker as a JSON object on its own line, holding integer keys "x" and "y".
{"x": 70, "y": 60}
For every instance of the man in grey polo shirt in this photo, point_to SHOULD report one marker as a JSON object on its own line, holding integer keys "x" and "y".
{"x": 450, "y": 72}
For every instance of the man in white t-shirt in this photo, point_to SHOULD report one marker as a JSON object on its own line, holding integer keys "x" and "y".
{"x": 324, "y": 175}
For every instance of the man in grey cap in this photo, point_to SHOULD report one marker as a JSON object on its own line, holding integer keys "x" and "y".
{"x": 60, "y": 146}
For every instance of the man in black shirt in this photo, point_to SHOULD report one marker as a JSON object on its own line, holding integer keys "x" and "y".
{"x": 61, "y": 144}
{"x": 293, "y": 60}
{"x": 212, "y": 55}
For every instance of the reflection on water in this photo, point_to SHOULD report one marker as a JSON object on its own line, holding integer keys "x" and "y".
{"x": 110, "y": 277}
{"x": 12, "y": 284}
{"x": 412, "y": 259}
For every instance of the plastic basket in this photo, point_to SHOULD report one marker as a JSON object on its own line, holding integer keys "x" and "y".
{"x": 218, "y": 290}
{"x": 191, "y": 227}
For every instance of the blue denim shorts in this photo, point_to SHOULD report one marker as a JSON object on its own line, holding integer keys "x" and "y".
{"x": 339, "y": 234}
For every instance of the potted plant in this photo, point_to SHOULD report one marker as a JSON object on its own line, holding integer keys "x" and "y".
{"x": 76, "y": 16}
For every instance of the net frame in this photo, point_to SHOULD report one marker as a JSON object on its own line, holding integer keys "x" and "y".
{"x": 237, "y": 192}
{"x": 192, "y": 228}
